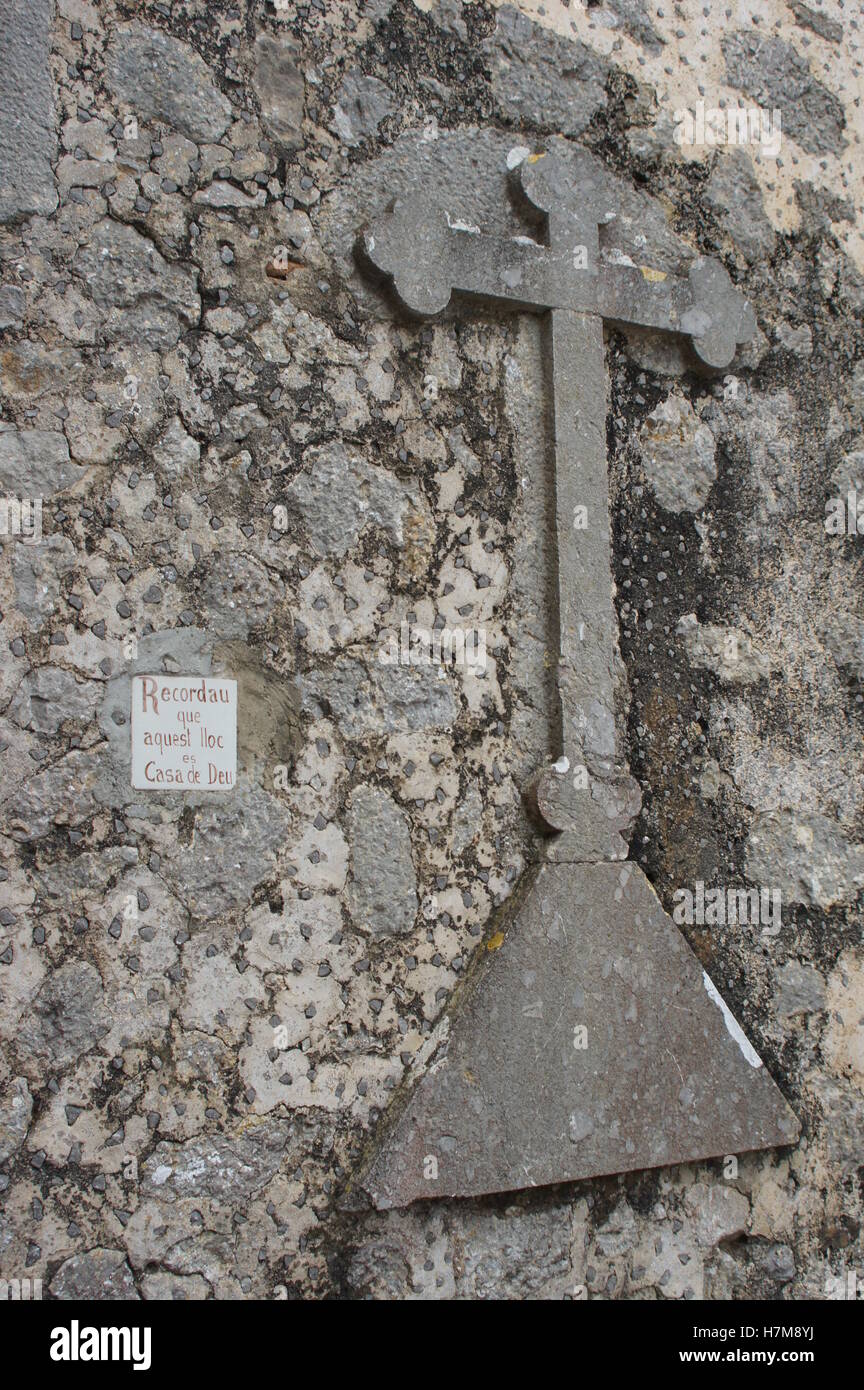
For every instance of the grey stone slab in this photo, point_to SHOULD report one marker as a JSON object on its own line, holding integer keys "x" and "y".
{"x": 361, "y": 105}
{"x": 539, "y": 77}
{"x": 779, "y": 78}
{"x": 102, "y": 1275}
{"x": 28, "y": 137}
{"x": 821, "y": 24}
{"x": 633, "y": 19}
{"x": 216, "y": 1166}
{"x": 807, "y": 856}
{"x": 511, "y": 1098}
{"x": 121, "y": 268}
{"x": 278, "y": 83}
{"x": 368, "y": 698}
{"x": 678, "y": 455}
{"x": 49, "y": 695}
{"x": 12, "y": 305}
{"x": 735, "y": 194}
{"x": 37, "y": 573}
{"x": 338, "y": 494}
{"x": 36, "y": 463}
{"x": 236, "y": 847}
{"x": 161, "y": 78}
{"x": 16, "y": 1108}
{"x": 68, "y": 1016}
{"x": 800, "y": 990}
{"x": 383, "y": 890}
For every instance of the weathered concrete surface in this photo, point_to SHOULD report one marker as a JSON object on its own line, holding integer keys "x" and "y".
{"x": 28, "y": 138}
{"x": 516, "y": 1095}
{"x": 166, "y": 397}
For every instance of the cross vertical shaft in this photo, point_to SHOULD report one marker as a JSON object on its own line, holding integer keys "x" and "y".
{"x": 586, "y": 616}
{"x": 585, "y": 611}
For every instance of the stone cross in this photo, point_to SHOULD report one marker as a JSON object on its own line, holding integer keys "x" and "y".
{"x": 591, "y": 1041}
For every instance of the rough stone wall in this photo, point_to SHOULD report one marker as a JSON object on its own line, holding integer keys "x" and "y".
{"x": 257, "y": 470}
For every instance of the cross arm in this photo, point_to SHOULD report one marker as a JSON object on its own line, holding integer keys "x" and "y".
{"x": 428, "y": 255}
{"x": 705, "y": 306}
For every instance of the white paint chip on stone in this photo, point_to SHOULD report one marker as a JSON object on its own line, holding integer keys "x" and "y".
{"x": 184, "y": 733}
{"x": 459, "y": 226}
{"x": 731, "y": 1022}
{"x": 516, "y": 155}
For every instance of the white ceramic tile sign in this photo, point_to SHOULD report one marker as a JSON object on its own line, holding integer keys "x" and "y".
{"x": 184, "y": 733}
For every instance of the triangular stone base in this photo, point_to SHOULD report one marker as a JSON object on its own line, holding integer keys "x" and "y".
{"x": 510, "y": 1098}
